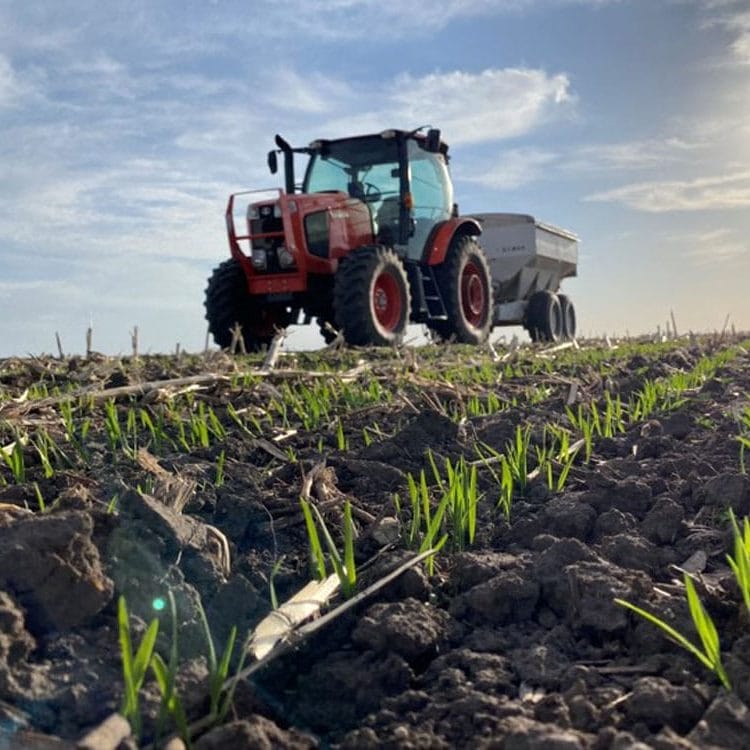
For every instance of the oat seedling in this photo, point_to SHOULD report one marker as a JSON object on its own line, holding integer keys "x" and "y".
{"x": 341, "y": 441}
{"x": 219, "y": 479}
{"x": 166, "y": 678}
{"x": 517, "y": 456}
{"x": 709, "y": 653}
{"x": 343, "y": 565}
{"x": 134, "y": 666}
{"x": 217, "y": 669}
{"x": 44, "y": 446}
{"x": 15, "y": 461}
{"x": 272, "y": 582}
{"x": 426, "y": 525}
{"x": 740, "y": 563}
{"x": 504, "y": 479}
{"x": 112, "y": 425}
{"x": 316, "y": 549}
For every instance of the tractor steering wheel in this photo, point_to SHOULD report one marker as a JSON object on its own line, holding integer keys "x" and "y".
{"x": 372, "y": 193}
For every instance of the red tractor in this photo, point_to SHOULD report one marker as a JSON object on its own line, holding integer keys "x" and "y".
{"x": 369, "y": 241}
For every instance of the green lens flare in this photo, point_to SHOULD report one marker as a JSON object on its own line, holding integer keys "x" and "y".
{"x": 158, "y": 604}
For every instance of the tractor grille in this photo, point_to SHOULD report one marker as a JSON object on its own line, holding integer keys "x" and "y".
{"x": 267, "y": 224}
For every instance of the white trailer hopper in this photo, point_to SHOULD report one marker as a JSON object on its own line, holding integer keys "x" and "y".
{"x": 526, "y": 258}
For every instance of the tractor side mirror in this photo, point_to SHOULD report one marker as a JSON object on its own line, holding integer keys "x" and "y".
{"x": 433, "y": 140}
{"x": 273, "y": 162}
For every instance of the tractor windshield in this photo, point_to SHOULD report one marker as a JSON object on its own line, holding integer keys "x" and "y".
{"x": 366, "y": 168}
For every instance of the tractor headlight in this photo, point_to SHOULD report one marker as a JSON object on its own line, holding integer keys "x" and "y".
{"x": 259, "y": 259}
{"x": 286, "y": 259}
{"x": 276, "y": 211}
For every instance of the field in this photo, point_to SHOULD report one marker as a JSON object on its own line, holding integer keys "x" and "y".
{"x": 551, "y": 488}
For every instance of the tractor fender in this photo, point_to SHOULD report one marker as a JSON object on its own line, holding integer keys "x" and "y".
{"x": 436, "y": 247}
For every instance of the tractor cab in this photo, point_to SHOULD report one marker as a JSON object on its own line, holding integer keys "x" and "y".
{"x": 402, "y": 177}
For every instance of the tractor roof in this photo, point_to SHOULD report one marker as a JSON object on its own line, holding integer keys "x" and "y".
{"x": 365, "y": 149}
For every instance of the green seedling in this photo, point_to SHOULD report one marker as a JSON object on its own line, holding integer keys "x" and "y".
{"x": 504, "y": 478}
{"x": 112, "y": 425}
{"x": 461, "y": 498}
{"x": 134, "y": 666}
{"x": 316, "y": 549}
{"x": 426, "y": 525}
{"x": 219, "y": 479}
{"x": 217, "y": 669}
{"x": 272, "y": 582}
{"x": 740, "y": 563}
{"x": 344, "y": 566}
{"x": 45, "y": 447}
{"x": 15, "y": 461}
{"x": 709, "y": 653}
{"x": 341, "y": 441}
{"x": 166, "y": 678}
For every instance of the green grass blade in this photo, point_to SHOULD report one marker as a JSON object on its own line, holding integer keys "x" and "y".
{"x": 670, "y": 632}
{"x": 316, "y": 548}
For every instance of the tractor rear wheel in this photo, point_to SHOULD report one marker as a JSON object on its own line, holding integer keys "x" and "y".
{"x": 465, "y": 283}
{"x": 228, "y": 303}
{"x": 371, "y": 297}
{"x": 568, "y": 313}
{"x": 544, "y": 320}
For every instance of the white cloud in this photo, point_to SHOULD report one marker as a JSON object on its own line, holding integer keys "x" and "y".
{"x": 472, "y": 108}
{"x": 468, "y": 107}
{"x": 704, "y": 193}
{"x": 734, "y": 17}
{"x": 12, "y": 88}
{"x": 627, "y": 155}
{"x": 509, "y": 170}
{"x": 712, "y": 248}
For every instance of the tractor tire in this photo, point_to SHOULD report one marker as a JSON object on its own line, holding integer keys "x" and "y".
{"x": 568, "y": 313}
{"x": 371, "y": 298}
{"x": 466, "y": 285}
{"x": 228, "y": 303}
{"x": 544, "y": 320}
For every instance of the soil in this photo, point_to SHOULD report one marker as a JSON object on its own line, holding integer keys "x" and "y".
{"x": 514, "y": 641}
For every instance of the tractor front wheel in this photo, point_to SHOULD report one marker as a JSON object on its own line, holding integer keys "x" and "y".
{"x": 371, "y": 297}
{"x": 228, "y": 304}
{"x": 465, "y": 283}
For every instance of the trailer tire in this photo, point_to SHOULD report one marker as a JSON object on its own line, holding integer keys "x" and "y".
{"x": 228, "y": 303}
{"x": 568, "y": 314}
{"x": 466, "y": 286}
{"x": 544, "y": 320}
{"x": 371, "y": 298}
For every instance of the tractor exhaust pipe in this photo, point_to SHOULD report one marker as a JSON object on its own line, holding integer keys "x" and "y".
{"x": 288, "y": 163}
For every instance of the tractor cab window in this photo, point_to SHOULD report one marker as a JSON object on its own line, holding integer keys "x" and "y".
{"x": 327, "y": 174}
{"x": 432, "y": 194}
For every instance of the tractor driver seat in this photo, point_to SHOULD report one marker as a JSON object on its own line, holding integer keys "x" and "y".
{"x": 387, "y": 221}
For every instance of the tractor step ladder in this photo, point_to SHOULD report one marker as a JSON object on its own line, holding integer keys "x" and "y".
{"x": 432, "y": 297}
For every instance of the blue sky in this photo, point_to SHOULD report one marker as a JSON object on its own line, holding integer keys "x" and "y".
{"x": 124, "y": 126}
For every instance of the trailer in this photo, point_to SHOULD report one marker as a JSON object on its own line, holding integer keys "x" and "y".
{"x": 528, "y": 260}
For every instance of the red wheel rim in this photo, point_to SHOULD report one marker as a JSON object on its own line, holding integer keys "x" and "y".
{"x": 386, "y": 301}
{"x": 473, "y": 294}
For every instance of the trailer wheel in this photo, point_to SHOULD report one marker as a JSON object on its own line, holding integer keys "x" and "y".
{"x": 228, "y": 303}
{"x": 568, "y": 314}
{"x": 371, "y": 298}
{"x": 465, "y": 283}
{"x": 544, "y": 320}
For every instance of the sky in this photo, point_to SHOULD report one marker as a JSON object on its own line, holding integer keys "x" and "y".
{"x": 124, "y": 126}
